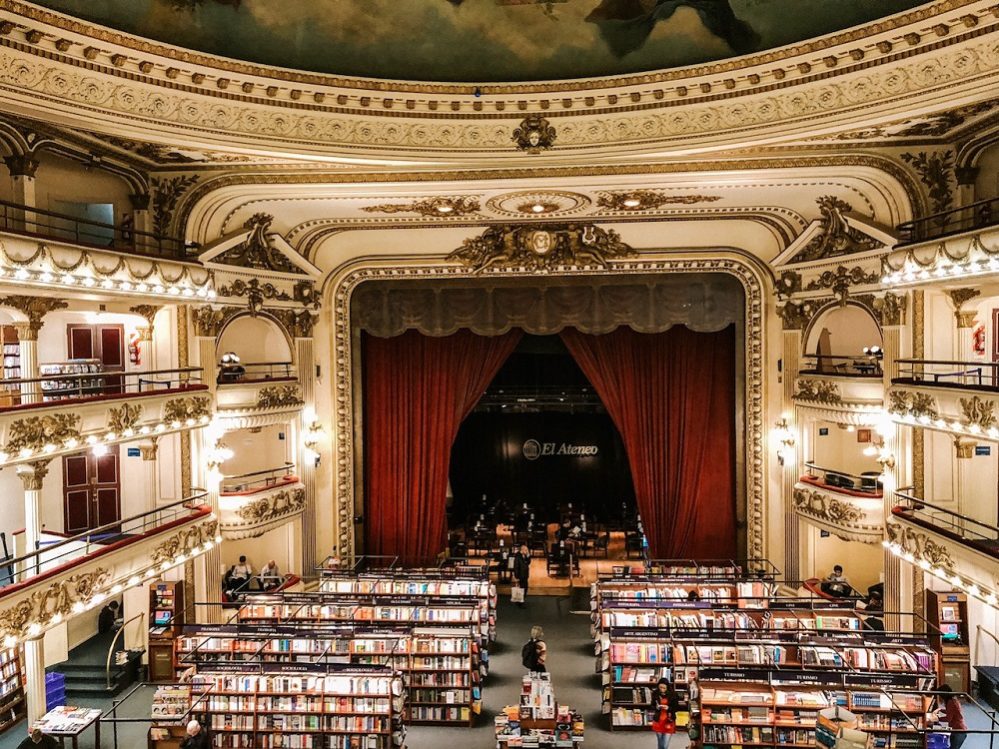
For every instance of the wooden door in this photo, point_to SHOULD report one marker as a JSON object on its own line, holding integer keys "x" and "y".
{"x": 91, "y": 490}
{"x": 105, "y": 343}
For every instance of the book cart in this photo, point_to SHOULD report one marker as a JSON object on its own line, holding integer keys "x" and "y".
{"x": 538, "y": 720}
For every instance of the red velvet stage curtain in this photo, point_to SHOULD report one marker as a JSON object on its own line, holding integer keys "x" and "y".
{"x": 672, "y": 397}
{"x": 417, "y": 391}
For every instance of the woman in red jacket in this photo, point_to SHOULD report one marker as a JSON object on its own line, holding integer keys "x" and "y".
{"x": 665, "y": 703}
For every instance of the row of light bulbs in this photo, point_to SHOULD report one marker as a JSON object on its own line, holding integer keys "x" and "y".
{"x": 36, "y": 628}
{"x": 954, "y": 426}
{"x": 99, "y": 445}
{"x": 968, "y": 268}
{"x": 972, "y": 589}
{"x": 108, "y": 284}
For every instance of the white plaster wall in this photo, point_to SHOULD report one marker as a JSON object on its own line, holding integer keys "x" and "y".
{"x": 851, "y": 328}
{"x": 66, "y": 180}
{"x": 840, "y": 450}
{"x": 257, "y": 451}
{"x": 862, "y": 563}
{"x": 254, "y": 339}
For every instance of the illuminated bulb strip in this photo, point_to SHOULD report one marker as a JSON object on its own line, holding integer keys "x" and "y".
{"x": 54, "y": 277}
{"x": 987, "y": 597}
{"x": 943, "y": 424}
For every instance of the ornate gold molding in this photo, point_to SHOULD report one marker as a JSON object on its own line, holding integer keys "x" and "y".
{"x": 209, "y": 321}
{"x": 267, "y": 510}
{"x": 124, "y": 417}
{"x": 978, "y": 411}
{"x": 818, "y": 391}
{"x": 182, "y": 410}
{"x": 824, "y": 507}
{"x": 54, "y": 600}
{"x": 842, "y": 279}
{"x": 920, "y": 545}
{"x": 345, "y": 419}
{"x": 430, "y": 207}
{"x": 35, "y": 307}
{"x": 185, "y": 541}
{"x": 35, "y": 432}
{"x": 278, "y": 396}
{"x": 33, "y": 475}
{"x": 541, "y": 247}
{"x": 836, "y": 237}
{"x": 644, "y": 200}
{"x": 905, "y": 403}
{"x": 298, "y": 323}
{"x": 257, "y": 251}
{"x": 147, "y": 311}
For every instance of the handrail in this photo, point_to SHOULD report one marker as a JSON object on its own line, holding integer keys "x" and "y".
{"x": 26, "y": 563}
{"x": 19, "y": 218}
{"x": 267, "y": 474}
{"x": 859, "y": 483}
{"x": 92, "y": 375}
{"x": 229, "y": 374}
{"x": 931, "y": 372}
{"x": 977, "y": 215}
{"x": 858, "y": 365}
{"x": 949, "y": 362}
{"x": 121, "y": 630}
{"x": 981, "y": 629}
{"x": 903, "y": 493}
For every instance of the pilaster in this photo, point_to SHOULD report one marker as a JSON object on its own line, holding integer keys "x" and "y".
{"x": 22, "y": 173}
{"x": 27, "y": 336}
{"x": 306, "y": 457}
{"x": 789, "y": 471}
{"x": 34, "y": 673}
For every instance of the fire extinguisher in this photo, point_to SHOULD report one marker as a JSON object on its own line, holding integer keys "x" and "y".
{"x": 134, "y": 355}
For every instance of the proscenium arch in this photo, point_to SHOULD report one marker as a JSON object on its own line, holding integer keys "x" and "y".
{"x": 757, "y": 286}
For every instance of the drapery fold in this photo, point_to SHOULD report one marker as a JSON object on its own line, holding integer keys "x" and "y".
{"x": 417, "y": 391}
{"x": 672, "y": 397}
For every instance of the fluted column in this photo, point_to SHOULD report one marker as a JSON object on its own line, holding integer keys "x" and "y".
{"x": 22, "y": 173}
{"x": 149, "y": 452}
{"x": 32, "y": 475}
{"x": 34, "y": 673}
{"x": 27, "y": 336}
{"x": 964, "y": 451}
{"x": 791, "y": 469}
{"x": 306, "y": 457}
{"x": 895, "y": 472}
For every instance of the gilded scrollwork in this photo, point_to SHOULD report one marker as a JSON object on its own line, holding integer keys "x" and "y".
{"x": 920, "y": 545}
{"x": 272, "y": 506}
{"x": 185, "y": 541}
{"x": 35, "y": 432}
{"x": 54, "y": 600}
{"x": 890, "y": 309}
{"x": 841, "y": 280}
{"x": 298, "y": 323}
{"x": 818, "y": 391}
{"x": 836, "y": 237}
{"x": 825, "y": 507}
{"x": 644, "y": 200}
{"x": 541, "y": 247}
{"x": 124, "y": 417}
{"x": 257, "y": 250}
{"x": 279, "y": 396}
{"x": 209, "y": 321}
{"x": 979, "y": 411}
{"x": 430, "y": 207}
{"x": 34, "y": 307}
{"x": 180, "y": 410}
{"x": 255, "y": 293}
{"x": 534, "y": 134}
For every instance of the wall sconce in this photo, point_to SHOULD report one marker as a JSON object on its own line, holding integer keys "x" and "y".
{"x": 876, "y": 447}
{"x": 785, "y": 440}
{"x": 312, "y": 434}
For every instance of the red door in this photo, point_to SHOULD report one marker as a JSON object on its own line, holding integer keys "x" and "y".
{"x": 105, "y": 343}
{"x": 91, "y": 490}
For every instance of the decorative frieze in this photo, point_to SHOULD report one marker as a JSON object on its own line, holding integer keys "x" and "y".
{"x": 187, "y": 410}
{"x": 124, "y": 418}
{"x": 257, "y": 251}
{"x": 979, "y": 411}
{"x": 54, "y": 602}
{"x": 836, "y": 237}
{"x": 920, "y": 545}
{"x": 430, "y": 207}
{"x": 278, "y": 396}
{"x": 908, "y": 403}
{"x": 841, "y": 280}
{"x": 818, "y": 391}
{"x": 825, "y": 507}
{"x": 185, "y": 541}
{"x": 34, "y": 433}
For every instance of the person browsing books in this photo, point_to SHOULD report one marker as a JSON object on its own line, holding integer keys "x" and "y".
{"x": 522, "y": 569}
{"x": 950, "y": 706}
{"x": 664, "y": 706}
{"x": 529, "y": 653}
{"x": 196, "y": 738}
{"x": 38, "y": 740}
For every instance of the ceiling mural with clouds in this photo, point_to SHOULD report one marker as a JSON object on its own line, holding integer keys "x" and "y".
{"x": 480, "y": 41}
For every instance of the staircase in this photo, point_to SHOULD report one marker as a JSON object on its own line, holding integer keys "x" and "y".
{"x": 86, "y": 675}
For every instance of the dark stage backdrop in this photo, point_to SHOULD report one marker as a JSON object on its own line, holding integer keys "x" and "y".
{"x": 544, "y": 459}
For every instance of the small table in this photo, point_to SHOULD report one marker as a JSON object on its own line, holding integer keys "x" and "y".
{"x": 69, "y": 722}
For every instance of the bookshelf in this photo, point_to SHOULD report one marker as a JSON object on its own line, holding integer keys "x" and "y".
{"x": 304, "y": 707}
{"x": 166, "y": 617}
{"x": 12, "y": 703}
{"x": 947, "y": 611}
{"x": 10, "y": 395}
{"x": 440, "y": 666}
{"x": 60, "y": 388}
{"x": 737, "y": 713}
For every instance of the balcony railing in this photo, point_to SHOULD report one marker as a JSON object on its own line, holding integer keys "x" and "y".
{"x": 965, "y": 530}
{"x": 956, "y": 220}
{"x": 867, "y": 484}
{"x": 248, "y": 483}
{"x": 57, "y": 557}
{"x": 976, "y": 375}
{"x": 37, "y": 222}
{"x": 41, "y": 391}
{"x": 255, "y": 372}
{"x": 846, "y": 366}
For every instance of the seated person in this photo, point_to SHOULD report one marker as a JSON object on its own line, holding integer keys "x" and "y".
{"x": 231, "y": 370}
{"x": 241, "y": 573}
{"x": 270, "y": 577}
{"x": 38, "y": 740}
{"x": 836, "y": 583}
{"x": 108, "y": 618}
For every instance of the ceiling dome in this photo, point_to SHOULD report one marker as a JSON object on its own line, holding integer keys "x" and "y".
{"x": 479, "y": 41}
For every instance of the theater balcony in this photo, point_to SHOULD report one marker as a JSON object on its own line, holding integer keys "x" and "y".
{"x": 847, "y": 505}
{"x": 43, "y": 249}
{"x": 61, "y": 414}
{"x": 962, "y": 243}
{"x": 960, "y": 397}
{"x": 267, "y": 393}
{"x": 250, "y": 504}
{"x": 942, "y": 542}
{"x": 840, "y": 389}
{"x": 69, "y": 575}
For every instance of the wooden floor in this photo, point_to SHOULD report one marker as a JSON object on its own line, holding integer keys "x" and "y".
{"x": 540, "y": 584}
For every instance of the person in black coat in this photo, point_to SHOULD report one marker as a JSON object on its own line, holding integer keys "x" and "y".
{"x": 38, "y": 740}
{"x": 522, "y": 568}
{"x": 664, "y": 705}
{"x": 197, "y": 737}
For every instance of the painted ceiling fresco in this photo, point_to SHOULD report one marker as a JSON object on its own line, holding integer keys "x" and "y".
{"x": 480, "y": 41}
